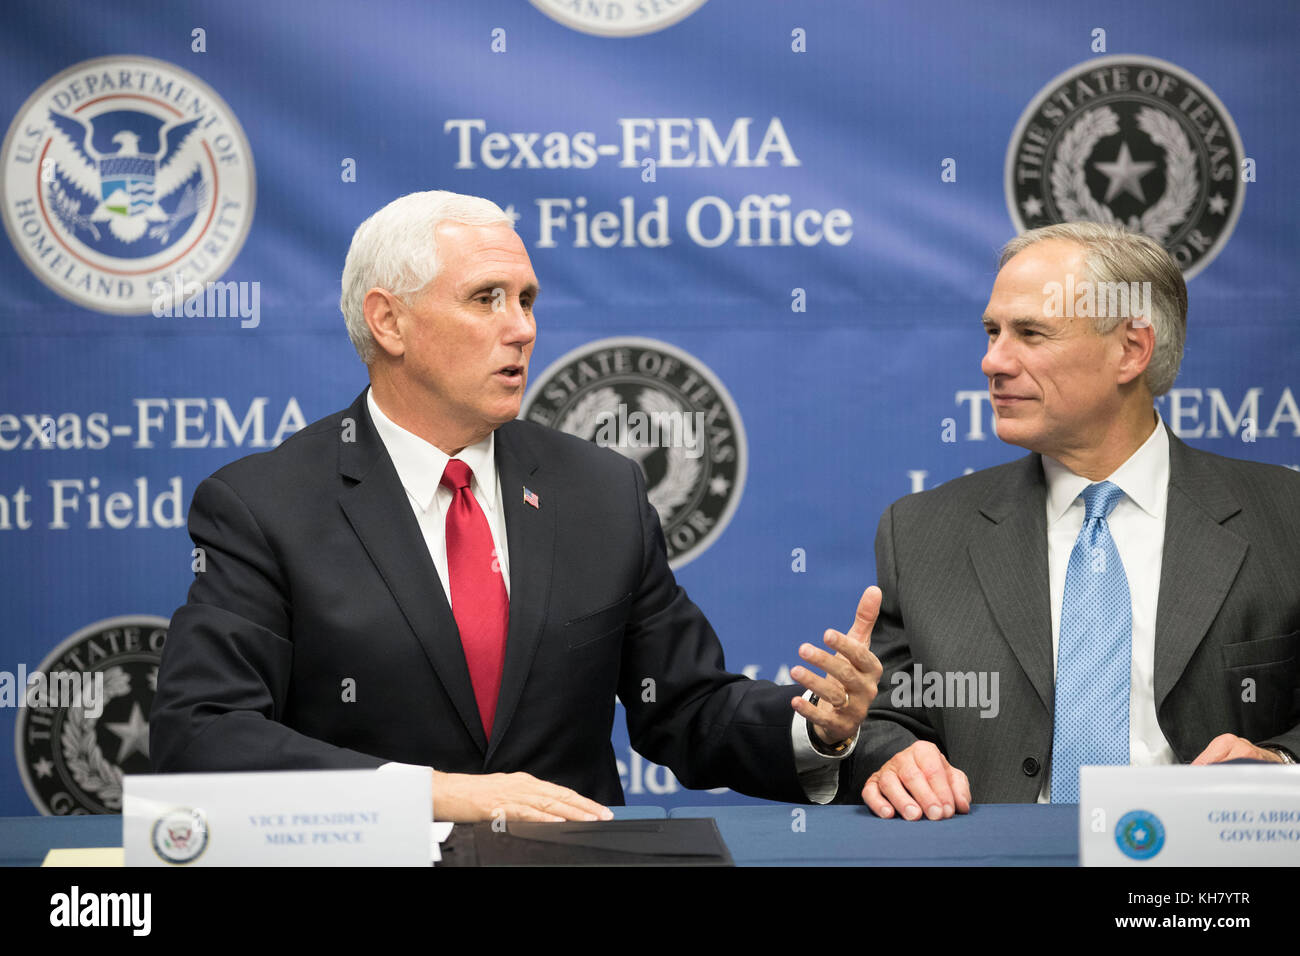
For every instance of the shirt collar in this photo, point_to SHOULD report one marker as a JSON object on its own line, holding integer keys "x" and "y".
{"x": 1144, "y": 478}
{"x": 420, "y": 465}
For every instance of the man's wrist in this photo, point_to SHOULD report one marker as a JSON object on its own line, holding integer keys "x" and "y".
{"x": 823, "y": 748}
{"x": 1284, "y": 755}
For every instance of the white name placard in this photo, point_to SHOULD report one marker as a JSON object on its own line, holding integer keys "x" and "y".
{"x": 290, "y": 818}
{"x": 1231, "y": 815}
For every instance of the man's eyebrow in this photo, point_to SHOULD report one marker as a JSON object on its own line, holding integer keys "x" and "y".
{"x": 479, "y": 286}
{"x": 1018, "y": 322}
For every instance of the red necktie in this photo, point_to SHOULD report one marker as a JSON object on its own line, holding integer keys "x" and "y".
{"x": 478, "y": 593}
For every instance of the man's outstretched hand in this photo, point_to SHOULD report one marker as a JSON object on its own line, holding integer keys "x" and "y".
{"x": 472, "y": 797}
{"x": 852, "y": 674}
{"x": 917, "y": 782}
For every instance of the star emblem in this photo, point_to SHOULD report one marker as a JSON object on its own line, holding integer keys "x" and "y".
{"x": 134, "y": 733}
{"x": 510, "y": 211}
{"x": 718, "y": 485}
{"x": 1032, "y": 207}
{"x": 1125, "y": 175}
{"x": 1218, "y": 205}
{"x": 43, "y": 767}
{"x": 1139, "y": 835}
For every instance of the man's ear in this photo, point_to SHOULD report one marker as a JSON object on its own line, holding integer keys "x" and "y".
{"x": 382, "y": 309}
{"x": 1138, "y": 340}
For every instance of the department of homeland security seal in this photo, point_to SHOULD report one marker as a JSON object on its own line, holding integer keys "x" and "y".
{"x": 181, "y": 835}
{"x": 1139, "y": 834}
{"x": 122, "y": 172}
{"x": 70, "y": 761}
{"x": 1135, "y": 141}
{"x": 618, "y": 18}
{"x": 666, "y": 410}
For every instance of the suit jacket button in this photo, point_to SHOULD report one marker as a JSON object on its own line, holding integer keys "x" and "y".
{"x": 1030, "y": 767}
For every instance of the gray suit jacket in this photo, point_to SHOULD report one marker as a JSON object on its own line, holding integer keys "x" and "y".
{"x": 963, "y": 568}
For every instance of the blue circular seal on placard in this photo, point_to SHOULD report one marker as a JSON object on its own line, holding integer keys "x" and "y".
{"x": 1140, "y": 834}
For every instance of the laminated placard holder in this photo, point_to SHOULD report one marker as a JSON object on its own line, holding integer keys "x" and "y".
{"x": 291, "y": 818}
{"x": 1240, "y": 814}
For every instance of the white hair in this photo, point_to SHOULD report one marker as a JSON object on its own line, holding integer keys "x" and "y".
{"x": 396, "y": 250}
{"x": 1112, "y": 254}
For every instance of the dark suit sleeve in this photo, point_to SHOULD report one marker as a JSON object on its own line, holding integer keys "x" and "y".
{"x": 888, "y": 728}
{"x": 226, "y": 666}
{"x": 1274, "y": 665}
{"x": 684, "y": 710}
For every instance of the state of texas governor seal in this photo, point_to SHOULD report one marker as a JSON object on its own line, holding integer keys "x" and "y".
{"x": 1135, "y": 141}
{"x": 71, "y": 762}
{"x": 694, "y": 484}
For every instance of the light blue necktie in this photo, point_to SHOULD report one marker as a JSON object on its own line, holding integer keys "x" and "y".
{"x": 1094, "y": 653}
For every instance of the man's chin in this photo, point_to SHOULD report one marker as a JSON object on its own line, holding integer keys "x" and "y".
{"x": 1015, "y": 432}
{"x": 507, "y": 413}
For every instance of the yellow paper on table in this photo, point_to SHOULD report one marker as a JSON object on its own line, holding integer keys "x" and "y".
{"x": 86, "y": 856}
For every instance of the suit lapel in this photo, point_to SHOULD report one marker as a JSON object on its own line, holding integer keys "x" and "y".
{"x": 1200, "y": 561}
{"x": 377, "y": 508}
{"x": 530, "y": 536}
{"x": 1009, "y": 556}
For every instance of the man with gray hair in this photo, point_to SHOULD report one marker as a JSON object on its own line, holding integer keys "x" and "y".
{"x": 423, "y": 579}
{"x": 1128, "y": 599}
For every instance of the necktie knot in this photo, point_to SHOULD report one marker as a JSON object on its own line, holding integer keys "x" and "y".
{"x": 456, "y": 475}
{"x": 1100, "y": 499}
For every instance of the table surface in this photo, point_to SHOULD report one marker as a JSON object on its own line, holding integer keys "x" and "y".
{"x": 766, "y": 835}
{"x": 990, "y": 835}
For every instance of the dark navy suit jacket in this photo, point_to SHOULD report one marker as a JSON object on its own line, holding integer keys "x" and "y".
{"x": 317, "y": 575}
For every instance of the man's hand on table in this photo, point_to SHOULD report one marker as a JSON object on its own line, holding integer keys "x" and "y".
{"x": 917, "y": 782}
{"x": 1231, "y": 747}
{"x": 471, "y": 797}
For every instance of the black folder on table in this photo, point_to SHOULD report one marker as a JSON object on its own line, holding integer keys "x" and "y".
{"x": 694, "y": 842}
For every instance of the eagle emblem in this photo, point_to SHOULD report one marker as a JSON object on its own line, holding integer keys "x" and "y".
{"x": 147, "y": 183}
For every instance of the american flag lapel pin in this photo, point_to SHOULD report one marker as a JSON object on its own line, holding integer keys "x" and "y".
{"x": 530, "y": 498}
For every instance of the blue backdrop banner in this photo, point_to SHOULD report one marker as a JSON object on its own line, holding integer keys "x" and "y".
{"x": 779, "y": 219}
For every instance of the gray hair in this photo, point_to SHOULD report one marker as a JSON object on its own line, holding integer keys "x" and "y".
{"x": 1112, "y": 254}
{"x": 396, "y": 249}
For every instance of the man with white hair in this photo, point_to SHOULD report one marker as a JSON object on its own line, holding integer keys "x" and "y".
{"x": 1125, "y": 598}
{"x": 424, "y": 579}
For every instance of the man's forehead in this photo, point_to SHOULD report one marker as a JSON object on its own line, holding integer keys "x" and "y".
{"x": 1022, "y": 285}
{"x": 477, "y": 250}
{"x": 462, "y": 235}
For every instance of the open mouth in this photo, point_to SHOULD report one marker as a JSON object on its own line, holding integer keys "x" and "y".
{"x": 513, "y": 373}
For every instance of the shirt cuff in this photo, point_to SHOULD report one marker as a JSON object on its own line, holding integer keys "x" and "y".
{"x": 819, "y": 773}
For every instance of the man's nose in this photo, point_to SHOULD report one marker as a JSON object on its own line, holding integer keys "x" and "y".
{"x": 520, "y": 326}
{"x": 1000, "y": 359}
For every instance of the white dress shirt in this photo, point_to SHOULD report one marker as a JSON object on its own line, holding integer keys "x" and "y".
{"x": 419, "y": 467}
{"x": 1137, "y": 526}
